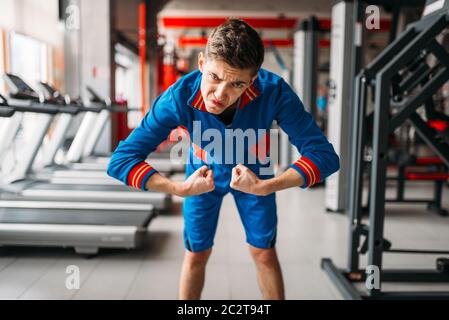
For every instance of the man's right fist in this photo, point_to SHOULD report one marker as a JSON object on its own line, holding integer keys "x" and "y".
{"x": 201, "y": 181}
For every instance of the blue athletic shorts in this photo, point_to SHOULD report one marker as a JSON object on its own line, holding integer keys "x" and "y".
{"x": 257, "y": 213}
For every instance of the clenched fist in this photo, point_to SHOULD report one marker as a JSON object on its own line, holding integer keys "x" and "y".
{"x": 243, "y": 179}
{"x": 201, "y": 181}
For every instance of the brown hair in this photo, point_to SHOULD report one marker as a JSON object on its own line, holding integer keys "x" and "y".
{"x": 236, "y": 43}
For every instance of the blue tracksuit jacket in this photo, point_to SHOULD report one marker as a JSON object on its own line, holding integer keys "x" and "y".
{"x": 269, "y": 99}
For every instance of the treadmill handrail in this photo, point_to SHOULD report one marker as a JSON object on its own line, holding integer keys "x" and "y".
{"x": 95, "y": 109}
{"x": 60, "y": 109}
{"x": 43, "y": 108}
{"x": 36, "y": 108}
{"x": 6, "y": 112}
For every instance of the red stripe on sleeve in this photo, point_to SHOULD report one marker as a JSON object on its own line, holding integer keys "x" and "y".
{"x": 137, "y": 173}
{"x": 141, "y": 175}
{"x": 314, "y": 168}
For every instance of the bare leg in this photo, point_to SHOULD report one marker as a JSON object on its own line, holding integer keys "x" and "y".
{"x": 192, "y": 274}
{"x": 269, "y": 274}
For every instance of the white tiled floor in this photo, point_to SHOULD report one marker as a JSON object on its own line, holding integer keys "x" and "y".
{"x": 305, "y": 235}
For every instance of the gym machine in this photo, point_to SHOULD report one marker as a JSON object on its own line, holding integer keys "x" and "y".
{"x": 81, "y": 166}
{"x": 25, "y": 186}
{"x": 347, "y": 46}
{"x": 386, "y": 78}
{"x": 85, "y": 226}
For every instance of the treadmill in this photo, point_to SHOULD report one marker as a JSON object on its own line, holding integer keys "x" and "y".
{"x": 86, "y": 227}
{"x": 81, "y": 153}
{"x": 94, "y": 170}
{"x": 38, "y": 187}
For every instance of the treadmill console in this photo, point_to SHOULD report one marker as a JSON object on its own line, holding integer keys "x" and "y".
{"x": 49, "y": 90}
{"x": 94, "y": 97}
{"x": 19, "y": 89}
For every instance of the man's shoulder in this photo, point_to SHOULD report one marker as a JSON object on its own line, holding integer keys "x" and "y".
{"x": 187, "y": 85}
{"x": 177, "y": 96}
{"x": 269, "y": 83}
{"x": 268, "y": 77}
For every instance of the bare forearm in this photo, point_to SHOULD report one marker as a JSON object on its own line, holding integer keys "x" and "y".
{"x": 159, "y": 183}
{"x": 288, "y": 179}
{"x": 201, "y": 181}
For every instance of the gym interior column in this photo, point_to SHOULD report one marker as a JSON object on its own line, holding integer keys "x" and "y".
{"x": 339, "y": 107}
{"x": 96, "y": 55}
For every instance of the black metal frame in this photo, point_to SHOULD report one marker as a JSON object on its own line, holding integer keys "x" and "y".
{"x": 418, "y": 39}
{"x": 311, "y": 28}
{"x": 434, "y": 204}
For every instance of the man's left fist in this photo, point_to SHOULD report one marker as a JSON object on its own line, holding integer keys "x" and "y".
{"x": 243, "y": 179}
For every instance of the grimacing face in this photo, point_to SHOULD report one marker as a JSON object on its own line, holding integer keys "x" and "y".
{"x": 221, "y": 84}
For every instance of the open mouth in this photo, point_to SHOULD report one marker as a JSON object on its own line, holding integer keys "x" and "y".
{"x": 217, "y": 103}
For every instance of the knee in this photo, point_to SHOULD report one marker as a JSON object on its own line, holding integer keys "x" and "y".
{"x": 266, "y": 257}
{"x": 197, "y": 259}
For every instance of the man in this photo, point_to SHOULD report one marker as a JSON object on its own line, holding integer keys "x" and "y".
{"x": 229, "y": 92}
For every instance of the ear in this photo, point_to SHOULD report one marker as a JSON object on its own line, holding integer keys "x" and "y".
{"x": 253, "y": 79}
{"x": 201, "y": 61}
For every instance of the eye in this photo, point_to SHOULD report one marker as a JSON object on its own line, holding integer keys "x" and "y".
{"x": 238, "y": 85}
{"x": 213, "y": 76}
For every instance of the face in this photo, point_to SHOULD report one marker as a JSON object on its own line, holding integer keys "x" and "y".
{"x": 221, "y": 84}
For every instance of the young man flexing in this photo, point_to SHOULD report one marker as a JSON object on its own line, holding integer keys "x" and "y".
{"x": 230, "y": 91}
